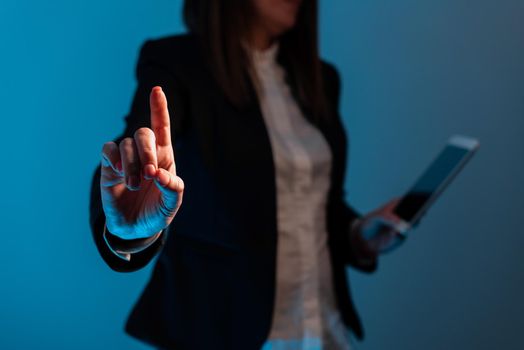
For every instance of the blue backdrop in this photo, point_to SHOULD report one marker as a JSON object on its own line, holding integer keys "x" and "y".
{"x": 414, "y": 72}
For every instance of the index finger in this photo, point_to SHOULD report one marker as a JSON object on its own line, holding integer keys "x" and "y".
{"x": 160, "y": 122}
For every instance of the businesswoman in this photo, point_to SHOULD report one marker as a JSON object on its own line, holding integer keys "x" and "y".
{"x": 239, "y": 117}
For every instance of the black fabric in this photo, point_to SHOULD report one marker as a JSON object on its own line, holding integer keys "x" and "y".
{"x": 213, "y": 283}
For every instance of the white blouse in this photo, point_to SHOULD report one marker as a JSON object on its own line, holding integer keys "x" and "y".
{"x": 305, "y": 312}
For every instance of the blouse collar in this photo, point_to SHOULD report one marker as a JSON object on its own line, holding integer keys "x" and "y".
{"x": 266, "y": 56}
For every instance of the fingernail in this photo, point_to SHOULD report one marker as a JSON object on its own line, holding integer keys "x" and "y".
{"x": 161, "y": 178}
{"x": 149, "y": 171}
{"x": 133, "y": 181}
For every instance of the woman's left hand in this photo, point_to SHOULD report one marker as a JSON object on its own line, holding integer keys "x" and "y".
{"x": 375, "y": 232}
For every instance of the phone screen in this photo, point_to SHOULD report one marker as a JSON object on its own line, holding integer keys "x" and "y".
{"x": 431, "y": 181}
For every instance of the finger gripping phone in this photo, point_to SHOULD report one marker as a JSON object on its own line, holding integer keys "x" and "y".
{"x": 446, "y": 166}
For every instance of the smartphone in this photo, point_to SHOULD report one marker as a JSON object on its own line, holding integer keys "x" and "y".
{"x": 446, "y": 166}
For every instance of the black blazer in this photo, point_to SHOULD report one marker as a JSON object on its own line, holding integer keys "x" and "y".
{"x": 213, "y": 284}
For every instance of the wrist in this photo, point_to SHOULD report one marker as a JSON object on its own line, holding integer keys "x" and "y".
{"x": 361, "y": 250}
{"x": 125, "y": 247}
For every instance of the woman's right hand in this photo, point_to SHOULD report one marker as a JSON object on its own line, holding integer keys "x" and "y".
{"x": 140, "y": 190}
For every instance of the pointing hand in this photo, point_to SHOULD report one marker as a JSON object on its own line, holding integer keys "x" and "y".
{"x": 140, "y": 190}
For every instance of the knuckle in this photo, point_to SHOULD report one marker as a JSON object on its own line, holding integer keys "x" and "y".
{"x": 180, "y": 184}
{"x": 165, "y": 129}
{"x": 131, "y": 165}
{"x": 126, "y": 144}
{"x": 143, "y": 132}
{"x": 147, "y": 153}
{"x": 108, "y": 148}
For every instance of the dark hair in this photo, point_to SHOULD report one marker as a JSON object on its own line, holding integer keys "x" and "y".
{"x": 221, "y": 25}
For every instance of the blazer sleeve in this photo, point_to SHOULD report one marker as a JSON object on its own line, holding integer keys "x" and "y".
{"x": 345, "y": 213}
{"x": 151, "y": 70}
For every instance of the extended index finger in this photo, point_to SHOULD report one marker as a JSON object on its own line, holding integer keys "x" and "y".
{"x": 160, "y": 122}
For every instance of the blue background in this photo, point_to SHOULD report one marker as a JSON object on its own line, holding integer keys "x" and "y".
{"x": 413, "y": 72}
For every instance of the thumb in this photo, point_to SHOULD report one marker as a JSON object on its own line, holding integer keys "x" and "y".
{"x": 171, "y": 187}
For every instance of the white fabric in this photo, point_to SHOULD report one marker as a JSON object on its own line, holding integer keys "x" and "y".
{"x": 305, "y": 312}
{"x": 125, "y": 254}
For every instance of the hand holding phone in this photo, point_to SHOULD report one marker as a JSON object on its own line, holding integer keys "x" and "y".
{"x": 379, "y": 228}
{"x": 446, "y": 166}
{"x": 388, "y": 228}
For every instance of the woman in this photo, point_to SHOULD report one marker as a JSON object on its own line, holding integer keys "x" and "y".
{"x": 253, "y": 122}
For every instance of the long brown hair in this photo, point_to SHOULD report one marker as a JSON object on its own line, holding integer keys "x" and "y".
{"x": 221, "y": 26}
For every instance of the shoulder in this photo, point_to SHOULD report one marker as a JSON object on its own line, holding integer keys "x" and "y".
{"x": 330, "y": 75}
{"x": 172, "y": 45}
{"x": 332, "y": 83}
{"x": 177, "y": 53}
